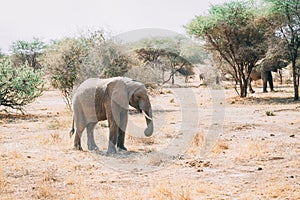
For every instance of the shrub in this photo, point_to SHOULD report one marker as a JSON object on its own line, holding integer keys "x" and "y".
{"x": 269, "y": 113}
{"x": 63, "y": 60}
{"x": 71, "y": 61}
{"x": 19, "y": 86}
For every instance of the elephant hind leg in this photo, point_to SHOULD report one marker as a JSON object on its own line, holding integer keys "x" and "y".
{"x": 90, "y": 136}
{"x": 250, "y": 87}
{"x": 77, "y": 139}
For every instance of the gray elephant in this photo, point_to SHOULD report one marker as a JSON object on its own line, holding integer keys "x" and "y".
{"x": 108, "y": 99}
{"x": 265, "y": 75}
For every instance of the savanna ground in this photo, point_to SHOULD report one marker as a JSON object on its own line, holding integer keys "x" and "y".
{"x": 207, "y": 144}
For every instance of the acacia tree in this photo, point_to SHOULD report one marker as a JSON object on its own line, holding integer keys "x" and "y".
{"x": 286, "y": 15}
{"x": 24, "y": 52}
{"x": 233, "y": 32}
{"x": 173, "y": 54}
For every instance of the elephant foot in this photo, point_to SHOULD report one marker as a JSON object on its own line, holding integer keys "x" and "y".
{"x": 252, "y": 91}
{"x": 122, "y": 148}
{"x": 111, "y": 148}
{"x": 265, "y": 91}
{"x": 93, "y": 147}
{"x": 78, "y": 147}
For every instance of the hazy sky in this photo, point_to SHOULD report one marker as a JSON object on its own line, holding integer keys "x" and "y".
{"x": 53, "y": 19}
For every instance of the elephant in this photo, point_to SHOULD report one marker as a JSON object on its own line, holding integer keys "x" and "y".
{"x": 108, "y": 99}
{"x": 265, "y": 75}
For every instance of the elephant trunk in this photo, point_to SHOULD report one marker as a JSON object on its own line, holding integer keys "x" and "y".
{"x": 149, "y": 120}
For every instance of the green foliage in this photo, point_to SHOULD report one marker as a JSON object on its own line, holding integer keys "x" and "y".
{"x": 63, "y": 60}
{"x": 173, "y": 54}
{"x": 2, "y": 55}
{"x": 71, "y": 61}
{"x": 235, "y": 14}
{"x": 235, "y": 34}
{"x": 24, "y": 52}
{"x": 285, "y": 14}
{"x": 18, "y": 86}
{"x": 282, "y": 6}
{"x": 104, "y": 59}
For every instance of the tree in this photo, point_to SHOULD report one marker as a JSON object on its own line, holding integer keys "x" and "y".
{"x": 28, "y": 53}
{"x": 104, "y": 59}
{"x": 235, "y": 34}
{"x": 1, "y": 54}
{"x": 285, "y": 14}
{"x": 174, "y": 54}
{"x": 63, "y": 60}
{"x": 18, "y": 86}
{"x": 73, "y": 60}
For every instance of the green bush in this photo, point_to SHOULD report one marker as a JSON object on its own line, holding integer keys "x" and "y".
{"x": 62, "y": 61}
{"x": 18, "y": 86}
{"x": 71, "y": 61}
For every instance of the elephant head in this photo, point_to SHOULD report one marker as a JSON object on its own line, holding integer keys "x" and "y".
{"x": 126, "y": 92}
{"x": 139, "y": 100}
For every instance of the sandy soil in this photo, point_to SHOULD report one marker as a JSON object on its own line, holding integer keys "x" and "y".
{"x": 208, "y": 144}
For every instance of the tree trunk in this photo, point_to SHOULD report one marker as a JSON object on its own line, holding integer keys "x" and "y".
{"x": 173, "y": 74}
{"x": 243, "y": 88}
{"x": 295, "y": 81}
{"x": 280, "y": 76}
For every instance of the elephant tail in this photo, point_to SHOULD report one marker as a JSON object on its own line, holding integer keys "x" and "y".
{"x": 73, "y": 129}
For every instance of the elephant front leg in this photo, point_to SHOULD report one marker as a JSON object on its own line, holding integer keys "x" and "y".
{"x": 121, "y": 139}
{"x": 122, "y": 129}
{"x": 270, "y": 80}
{"x": 265, "y": 86}
{"x": 113, "y": 136}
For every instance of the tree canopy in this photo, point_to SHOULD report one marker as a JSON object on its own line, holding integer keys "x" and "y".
{"x": 72, "y": 60}
{"x": 285, "y": 15}
{"x": 28, "y": 52}
{"x": 236, "y": 34}
{"x": 174, "y": 54}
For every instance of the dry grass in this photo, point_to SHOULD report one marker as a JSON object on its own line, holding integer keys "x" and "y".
{"x": 220, "y": 147}
{"x": 252, "y": 150}
{"x": 197, "y": 143}
{"x": 175, "y": 190}
{"x": 276, "y": 189}
{"x": 37, "y": 160}
{"x": 2, "y": 181}
{"x": 142, "y": 141}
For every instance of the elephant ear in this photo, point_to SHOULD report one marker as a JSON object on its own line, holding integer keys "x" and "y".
{"x": 118, "y": 94}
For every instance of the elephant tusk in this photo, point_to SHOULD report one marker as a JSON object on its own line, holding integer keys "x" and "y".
{"x": 146, "y": 115}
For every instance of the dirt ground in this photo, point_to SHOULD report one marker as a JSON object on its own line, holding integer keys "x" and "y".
{"x": 207, "y": 144}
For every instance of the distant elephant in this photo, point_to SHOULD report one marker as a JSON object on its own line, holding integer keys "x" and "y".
{"x": 266, "y": 77}
{"x": 108, "y": 99}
